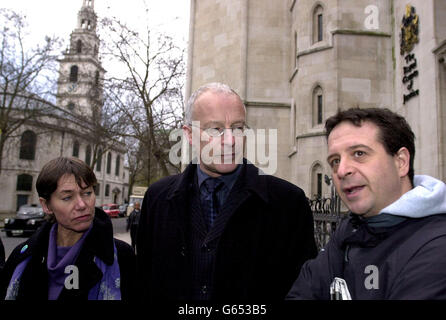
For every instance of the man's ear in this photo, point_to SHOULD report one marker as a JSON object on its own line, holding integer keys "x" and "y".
{"x": 188, "y": 132}
{"x": 45, "y": 206}
{"x": 402, "y": 159}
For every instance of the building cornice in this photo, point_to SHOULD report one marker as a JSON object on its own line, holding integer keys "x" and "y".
{"x": 310, "y": 135}
{"x": 266, "y": 104}
{"x": 313, "y": 50}
{"x": 440, "y": 52}
{"x": 75, "y": 58}
{"x": 361, "y": 33}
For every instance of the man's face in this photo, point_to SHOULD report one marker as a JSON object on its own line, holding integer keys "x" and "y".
{"x": 216, "y": 110}
{"x": 72, "y": 206}
{"x": 366, "y": 177}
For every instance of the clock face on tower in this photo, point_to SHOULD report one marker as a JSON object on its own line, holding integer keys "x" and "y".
{"x": 72, "y": 87}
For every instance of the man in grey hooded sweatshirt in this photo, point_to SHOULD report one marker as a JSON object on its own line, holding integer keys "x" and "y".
{"x": 392, "y": 246}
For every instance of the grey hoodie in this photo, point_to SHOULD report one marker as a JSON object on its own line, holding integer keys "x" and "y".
{"x": 427, "y": 198}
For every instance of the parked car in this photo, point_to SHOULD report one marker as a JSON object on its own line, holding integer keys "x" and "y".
{"x": 123, "y": 210}
{"x": 112, "y": 209}
{"x": 27, "y": 220}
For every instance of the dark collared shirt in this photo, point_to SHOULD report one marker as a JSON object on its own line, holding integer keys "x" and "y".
{"x": 222, "y": 194}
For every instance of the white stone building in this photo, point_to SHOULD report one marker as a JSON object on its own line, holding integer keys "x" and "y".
{"x": 79, "y": 91}
{"x": 296, "y": 62}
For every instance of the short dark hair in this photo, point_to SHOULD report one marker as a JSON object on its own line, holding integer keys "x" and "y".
{"x": 394, "y": 131}
{"x": 52, "y": 171}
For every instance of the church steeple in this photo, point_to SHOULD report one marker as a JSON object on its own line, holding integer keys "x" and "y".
{"x": 84, "y": 38}
{"x": 81, "y": 74}
{"x": 86, "y": 18}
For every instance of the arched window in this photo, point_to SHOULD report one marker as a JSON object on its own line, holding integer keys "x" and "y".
{"x": 28, "y": 145}
{"x": 109, "y": 160}
{"x": 99, "y": 160}
{"x": 316, "y": 181}
{"x": 318, "y": 24}
{"x": 74, "y": 70}
{"x": 318, "y": 106}
{"x": 295, "y": 50}
{"x": 107, "y": 190}
{"x": 24, "y": 182}
{"x": 96, "y": 79}
{"x": 88, "y": 155}
{"x": 79, "y": 46}
{"x": 97, "y": 189}
{"x": 118, "y": 165}
{"x": 86, "y": 24}
{"x": 76, "y": 149}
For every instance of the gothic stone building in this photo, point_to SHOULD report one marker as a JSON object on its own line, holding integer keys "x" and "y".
{"x": 79, "y": 90}
{"x": 296, "y": 62}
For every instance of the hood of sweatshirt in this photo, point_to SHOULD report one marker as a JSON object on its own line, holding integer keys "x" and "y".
{"x": 427, "y": 198}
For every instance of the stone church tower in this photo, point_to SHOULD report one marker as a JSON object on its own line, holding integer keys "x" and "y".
{"x": 81, "y": 73}
{"x": 80, "y": 91}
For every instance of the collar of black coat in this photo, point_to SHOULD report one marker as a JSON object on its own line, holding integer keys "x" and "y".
{"x": 99, "y": 242}
{"x": 250, "y": 177}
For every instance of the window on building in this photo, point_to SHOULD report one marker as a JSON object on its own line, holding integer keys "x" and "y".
{"x": 319, "y": 185}
{"x": 70, "y": 106}
{"x": 318, "y": 106}
{"x": 109, "y": 160}
{"x": 293, "y": 123}
{"x": 24, "y": 182}
{"x": 295, "y": 50}
{"x": 316, "y": 181}
{"x": 86, "y": 24}
{"x": 79, "y": 46}
{"x": 97, "y": 189}
{"x": 96, "y": 79}
{"x": 318, "y": 24}
{"x": 28, "y": 145}
{"x": 118, "y": 165}
{"x": 107, "y": 190}
{"x": 21, "y": 200}
{"x": 99, "y": 160}
{"x": 319, "y": 27}
{"x": 74, "y": 70}
{"x": 88, "y": 155}
{"x": 76, "y": 149}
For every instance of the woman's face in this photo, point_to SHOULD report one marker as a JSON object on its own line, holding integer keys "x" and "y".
{"x": 72, "y": 206}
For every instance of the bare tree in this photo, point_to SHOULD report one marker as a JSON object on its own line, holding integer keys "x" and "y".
{"x": 148, "y": 91}
{"x": 26, "y": 76}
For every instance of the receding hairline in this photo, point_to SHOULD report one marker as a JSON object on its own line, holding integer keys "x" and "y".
{"x": 215, "y": 88}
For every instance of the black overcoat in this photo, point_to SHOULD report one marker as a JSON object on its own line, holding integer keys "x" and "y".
{"x": 267, "y": 238}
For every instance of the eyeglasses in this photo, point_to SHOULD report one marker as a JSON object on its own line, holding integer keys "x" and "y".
{"x": 215, "y": 132}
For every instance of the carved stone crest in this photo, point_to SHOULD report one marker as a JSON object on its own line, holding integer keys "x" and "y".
{"x": 409, "y": 30}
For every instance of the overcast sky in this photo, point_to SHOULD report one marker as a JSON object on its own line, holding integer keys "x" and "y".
{"x": 59, "y": 17}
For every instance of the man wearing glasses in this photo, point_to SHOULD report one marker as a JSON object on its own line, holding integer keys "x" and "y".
{"x": 221, "y": 230}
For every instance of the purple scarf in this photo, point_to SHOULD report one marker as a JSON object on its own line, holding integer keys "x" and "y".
{"x": 108, "y": 288}
{"x": 58, "y": 259}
